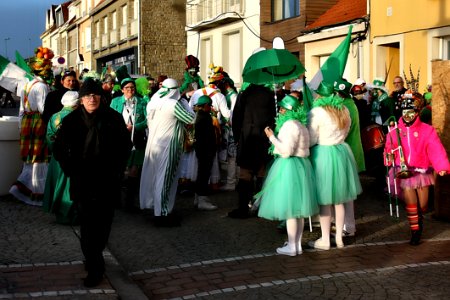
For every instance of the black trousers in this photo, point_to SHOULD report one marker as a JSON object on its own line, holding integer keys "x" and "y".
{"x": 96, "y": 215}
{"x": 205, "y": 164}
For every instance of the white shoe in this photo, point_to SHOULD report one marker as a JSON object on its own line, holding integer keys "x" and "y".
{"x": 287, "y": 250}
{"x": 204, "y": 204}
{"x": 347, "y": 234}
{"x": 319, "y": 244}
{"x": 228, "y": 187}
{"x": 299, "y": 249}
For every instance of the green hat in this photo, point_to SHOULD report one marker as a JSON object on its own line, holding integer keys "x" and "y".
{"x": 342, "y": 86}
{"x": 289, "y": 102}
{"x": 125, "y": 81}
{"x": 325, "y": 89}
{"x": 203, "y": 100}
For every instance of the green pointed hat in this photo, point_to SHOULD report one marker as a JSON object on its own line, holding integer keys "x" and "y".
{"x": 289, "y": 102}
{"x": 325, "y": 89}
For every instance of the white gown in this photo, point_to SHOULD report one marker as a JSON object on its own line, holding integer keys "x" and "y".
{"x": 166, "y": 118}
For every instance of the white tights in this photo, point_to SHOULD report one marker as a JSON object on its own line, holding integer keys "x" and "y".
{"x": 294, "y": 229}
{"x": 325, "y": 222}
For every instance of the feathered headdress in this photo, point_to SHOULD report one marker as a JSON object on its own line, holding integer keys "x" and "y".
{"x": 412, "y": 83}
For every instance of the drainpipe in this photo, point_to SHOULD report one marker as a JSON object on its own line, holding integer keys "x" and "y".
{"x": 360, "y": 59}
{"x": 139, "y": 39}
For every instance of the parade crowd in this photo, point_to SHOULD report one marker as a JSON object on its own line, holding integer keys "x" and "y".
{"x": 99, "y": 142}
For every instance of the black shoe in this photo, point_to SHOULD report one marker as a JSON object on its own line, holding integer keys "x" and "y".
{"x": 239, "y": 214}
{"x": 415, "y": 237}
{"x": 93, "y": 280}
{"x": 167, "y": 221}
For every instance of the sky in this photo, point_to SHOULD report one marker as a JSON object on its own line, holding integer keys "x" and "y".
{"x": 22, "y": 21}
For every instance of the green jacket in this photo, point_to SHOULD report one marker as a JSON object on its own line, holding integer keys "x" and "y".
{"x": 354, "y": 135}
{"x": 118, "y": 104}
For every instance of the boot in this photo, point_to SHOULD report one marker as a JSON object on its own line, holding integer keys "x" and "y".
{"x": 204, "y": 204}
{"x": 230, "y": 184}
{"x": 415, "y": 237}
{"x": 245, "y": 190}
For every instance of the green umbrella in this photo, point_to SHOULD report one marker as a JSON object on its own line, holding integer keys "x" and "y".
{"x": 272, "y": 66}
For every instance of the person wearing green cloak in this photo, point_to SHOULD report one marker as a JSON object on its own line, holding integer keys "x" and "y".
{"x": 56, "y": 194}
{"x": 342, "y": 88}
{"x": 133, "y": 110}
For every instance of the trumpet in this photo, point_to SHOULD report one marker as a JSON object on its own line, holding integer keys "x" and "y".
{"x": 403, "y": 173}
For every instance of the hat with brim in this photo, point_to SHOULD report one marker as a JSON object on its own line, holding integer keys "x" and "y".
{"x": 289, "y": 102}
{"x": 202, "y": 100}
{"x": 90, "y": 86}
{"x": 378, "y": 84}
{"x": 325, "y": 89}
{"x": 126, "y": 81}
{"x": 342, "y": 86}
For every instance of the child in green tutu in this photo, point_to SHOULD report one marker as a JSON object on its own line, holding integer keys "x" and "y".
{"x": 289, "y": 191}
{"x": 334, "y": 165}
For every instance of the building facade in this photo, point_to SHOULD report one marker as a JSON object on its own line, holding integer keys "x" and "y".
{"x": 324, "y": 35}
{"x": 409, "y": 33}
{"x": 223, "y": 33}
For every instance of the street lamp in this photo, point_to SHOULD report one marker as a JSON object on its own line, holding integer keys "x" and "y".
{"x": 29, "y": 46}
{"x": 6, "y": 46}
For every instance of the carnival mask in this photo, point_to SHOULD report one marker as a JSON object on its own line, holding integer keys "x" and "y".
{"x": 409, "y": 116}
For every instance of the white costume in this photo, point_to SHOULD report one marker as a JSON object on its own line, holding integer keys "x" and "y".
{"x": 30, "y": 184}
{"x": 166, "y": 117}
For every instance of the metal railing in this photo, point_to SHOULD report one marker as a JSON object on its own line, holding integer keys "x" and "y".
{"x": 204, "y": 10}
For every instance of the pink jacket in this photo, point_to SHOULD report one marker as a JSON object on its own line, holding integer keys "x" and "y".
{"x": 421, "y": 145}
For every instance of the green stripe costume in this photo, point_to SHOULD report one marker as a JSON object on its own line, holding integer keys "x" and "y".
{"x": 166, "y": 118}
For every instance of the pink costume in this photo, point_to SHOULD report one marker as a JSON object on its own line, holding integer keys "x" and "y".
{"x": 422, "y": 148}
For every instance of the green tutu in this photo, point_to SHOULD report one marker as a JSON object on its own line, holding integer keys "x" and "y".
{"x": 336, "y": 175}
{"x": 289, "y": 190}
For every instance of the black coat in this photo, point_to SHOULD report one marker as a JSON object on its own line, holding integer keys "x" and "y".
{"x": 94, "y": 173}
{"x": 53, "y": 103}
{"x": 255, "y": 109}
{"x": 205, "y": 136}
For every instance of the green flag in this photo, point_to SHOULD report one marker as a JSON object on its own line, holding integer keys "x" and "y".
{"x": 20, "y": 61}
{"x": 333, "y": 68}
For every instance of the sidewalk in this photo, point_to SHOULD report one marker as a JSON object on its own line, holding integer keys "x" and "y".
{"x": 215, "y": 257}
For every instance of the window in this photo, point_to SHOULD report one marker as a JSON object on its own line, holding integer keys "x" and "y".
{"x": 285, "y": 9}
{"x": 114, "y": 20}
{"x": 135, "y": 9}
{"x": 97, "y": 29}
{"x": 124, "y": 15}
{"x": 232, "y": 55}
{"x": 105, "y": 25}
{"x": 87, "y": 38}
{"x": 446, "y": 48}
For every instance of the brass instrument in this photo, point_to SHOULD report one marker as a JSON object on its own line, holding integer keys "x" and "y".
{"x": 403, "y": 173}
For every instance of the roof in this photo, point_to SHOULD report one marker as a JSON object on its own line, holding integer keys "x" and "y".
{"x": 343, "y": 11}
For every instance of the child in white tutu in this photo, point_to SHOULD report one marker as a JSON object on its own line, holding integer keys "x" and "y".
{"x": 289, "y": 191}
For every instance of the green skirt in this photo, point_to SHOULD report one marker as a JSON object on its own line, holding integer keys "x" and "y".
{"x": 336, "y": 174}
{"x": 289, "y": 190}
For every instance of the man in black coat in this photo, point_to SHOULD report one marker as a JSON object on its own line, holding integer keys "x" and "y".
{"x": 255, "y": 109}
{"x": 92, "y": 146}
